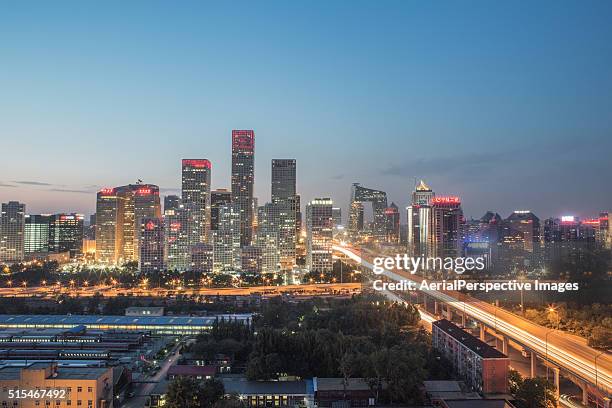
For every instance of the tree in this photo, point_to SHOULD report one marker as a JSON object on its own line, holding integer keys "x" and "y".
{"x": 536, "y": 393}
{"x": 185, "y": 392}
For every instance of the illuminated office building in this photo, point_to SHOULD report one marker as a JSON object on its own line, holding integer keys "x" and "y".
{"x": 12, "y": 232}
{"x": 392, "y": 224}
{"x": 177, "y": 247}
{"x": 106, "y": 226}
{"x": 243, "y": 180}
{"x": 418, "y": 215}
{"x": 118, "y": 214}
{"x": 525, "y": 224}
{"x": 36, "y": 233}
{"x": 196, "y": 175}
{"x": 269, "y": 235}
{"x": 319, "y": 229}
{"x": 66, "y": 234}
{"x": 226, "y": 240}
{"x": 171, "y": 202}
{"x": 202, "y": 258}
{"x": 251, "y": 258}
{"x": 151, "y": 245}
{"x": 218, "y": 198}
{"x": 446, "y": 223}
{"x": 378, "y": 199}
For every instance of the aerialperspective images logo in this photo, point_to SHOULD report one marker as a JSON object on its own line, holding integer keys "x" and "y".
{"x": 305, "y": 204}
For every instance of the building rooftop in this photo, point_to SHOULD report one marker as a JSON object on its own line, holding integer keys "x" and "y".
{"x": 76, "y": 320}
{"x": 473, "y": 343}
{"x": 334, "y": 384}
{"x": 449, "y": 389}
{"x": 242, "y": 386}
{"x": 62, "y": 373}
{"x": 192, "y": 370}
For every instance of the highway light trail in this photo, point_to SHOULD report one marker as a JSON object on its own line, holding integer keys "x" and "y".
{"x": 562, "y": 349}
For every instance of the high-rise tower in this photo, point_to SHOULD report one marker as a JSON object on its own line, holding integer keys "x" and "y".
{"x": 243, "y": 180}
{"x": 196, "y": 175}
{"x": 12, "y": 232}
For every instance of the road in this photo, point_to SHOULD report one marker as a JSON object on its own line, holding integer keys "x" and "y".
{"x": 112, "y": 291}
{"x": 143, "y": 390}
{"x": 566, "y": 350}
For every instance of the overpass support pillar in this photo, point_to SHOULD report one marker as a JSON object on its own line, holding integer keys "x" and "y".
{"x": 449, "y": 313}
{"x": 556, "y": 381}
{"x": 483, "y": 336}
{"x": 463, "y": 320}
{"x": 505, "y": 341}
{"x": 585, "y": 395}
{"x": 533, "y": 373}
{"x": 436, "y": 307}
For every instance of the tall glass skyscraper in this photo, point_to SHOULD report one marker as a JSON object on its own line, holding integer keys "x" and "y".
{"x": 243, "y": 180}
{"x": 196, "y": 175}
{"x": 319, "y": 229}
{"x": 12, "y": 231}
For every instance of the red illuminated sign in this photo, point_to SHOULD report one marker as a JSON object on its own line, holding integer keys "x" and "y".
{"x": 446, "y": 200}
{"x": 243, "y": 140}
{"x": 107, "y": 191}
{"x": 197, "y": 163}
{"x": 592, "y": 221}
{"x": 175, "y": 226}
{"x": 150, "y": 226}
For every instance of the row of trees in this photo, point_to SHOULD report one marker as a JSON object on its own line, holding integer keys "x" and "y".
{"x": 363, "y": 337}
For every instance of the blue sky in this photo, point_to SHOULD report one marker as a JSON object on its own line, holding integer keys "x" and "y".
{"x": 507, "y": 105}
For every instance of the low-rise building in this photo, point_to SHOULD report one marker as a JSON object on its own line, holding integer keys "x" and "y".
{"x": 481, "y": 366}
{"x": 46, "y": 385}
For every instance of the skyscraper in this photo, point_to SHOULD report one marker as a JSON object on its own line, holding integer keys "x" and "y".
{"x": 171, "y": 202}
{"x": 243, "y": 179}
{"x": 226, "y": 239}
{"x": 12, "y": 232}
{"x": 177, "y": 248}
{"x": 418, "y": 217}
{"x": 118, "y": 214}
{"x": 218, "y": 198}
{"x": 151, "y": 245}
{"x": 106, "y": 226}
{"x": 284, "y": 209}
{"x": 196, "y": 175}
{"x": 283, "y": 180}
{"x": 36, "y": 233}
{"x": 445, "y": 234}
{"x": 359, "y": 195}
{"x": 392, "y": 224}
{"x": 319, "y": 229}
{"x": 527, "y": 225}
{"x": 66, "y": 234}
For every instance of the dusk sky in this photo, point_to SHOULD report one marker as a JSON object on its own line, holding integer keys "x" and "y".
{"x": 507, "y": 105}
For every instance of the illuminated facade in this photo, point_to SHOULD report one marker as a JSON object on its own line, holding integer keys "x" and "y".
{"x": 196, "y": 198}
{"x": 36, "y": 233}
{"x": 243, "y": 180}
{"x": 319, "y": 230}
{"x": 202, "y": 258}
{"x": 446, "y": 223}
{"x": 151, "y": 245}
{"x": 392, "y": 224}
{"x": 118, "y": 214}
{"x": 66, "y": 234}
{"x": 218, "y": 198}
{"x": 285, "y": 199}
{"x": 90, "y": 387}
{"x": 359, "y": 195}
{"x": 251, "y": 258}
{"x": 177, "y": 247}
{"x": 527, "y": 225}
{"x": 106, "y": 226}
{"x": 171, "y": 202}
{"x": 12, "y": 232}
{"x": 418, "y": 215}
{"x": 226, "y": 240}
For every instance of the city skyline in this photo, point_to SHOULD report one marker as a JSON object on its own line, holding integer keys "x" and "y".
{"x": 417, "y": 92}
